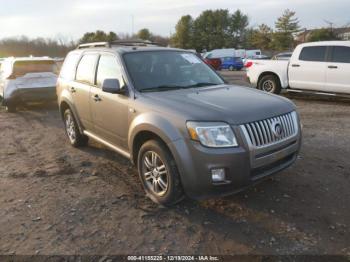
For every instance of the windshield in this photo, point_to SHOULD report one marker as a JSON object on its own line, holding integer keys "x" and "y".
{"x": 164, "y": 70}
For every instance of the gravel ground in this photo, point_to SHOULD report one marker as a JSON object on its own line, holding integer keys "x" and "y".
{"x": 55, "y": 199}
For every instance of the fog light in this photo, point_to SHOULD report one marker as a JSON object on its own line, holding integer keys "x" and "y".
{"x": 218, "y": 175}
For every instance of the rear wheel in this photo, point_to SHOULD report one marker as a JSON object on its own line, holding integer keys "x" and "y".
{"x": 158, "y": 173}
{"x": 270, "y": 84}
{"x": 75, "y": 137}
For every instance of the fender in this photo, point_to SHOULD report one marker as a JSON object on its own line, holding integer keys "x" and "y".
{"x": 66, "y": 97}
{"x": 156, "y": 124}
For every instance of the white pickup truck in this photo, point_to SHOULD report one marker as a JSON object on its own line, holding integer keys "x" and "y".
{"x": 322, "y": 67}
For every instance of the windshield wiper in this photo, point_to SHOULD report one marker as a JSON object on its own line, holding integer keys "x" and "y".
{"x": 162, "y": 88}
{"x": 202, "y": 84}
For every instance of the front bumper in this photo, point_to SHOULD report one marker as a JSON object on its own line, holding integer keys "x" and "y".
{"x": 43, "y": 94}
{"x": 243, "y": 166}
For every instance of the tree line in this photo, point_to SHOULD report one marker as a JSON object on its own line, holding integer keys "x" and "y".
{"x": 212, "y": 29}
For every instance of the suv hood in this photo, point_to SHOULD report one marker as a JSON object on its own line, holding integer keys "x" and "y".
{"x": 232, "y": 104}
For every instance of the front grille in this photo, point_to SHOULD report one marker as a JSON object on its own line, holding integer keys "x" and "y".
{"x": 272, "y": 130}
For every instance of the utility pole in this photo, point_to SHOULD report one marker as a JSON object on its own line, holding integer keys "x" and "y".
{"x": 331, "y": 24}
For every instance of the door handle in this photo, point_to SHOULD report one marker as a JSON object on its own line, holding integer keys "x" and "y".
{"x": 332, "y": 67}
{"x": 96, "y": 98}
{"x": 73, "y": 90}
{"x": 295, "y": 65}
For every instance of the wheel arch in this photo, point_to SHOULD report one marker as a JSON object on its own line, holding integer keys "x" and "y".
{"x": 267, "y": 74}
{"x": 66, "y": 104}
{"x": 147, "y": 127}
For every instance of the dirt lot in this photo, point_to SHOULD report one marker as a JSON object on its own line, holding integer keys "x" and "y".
{"x": 55, "y": 199}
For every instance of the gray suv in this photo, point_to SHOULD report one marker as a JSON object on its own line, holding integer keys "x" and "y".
{"x": 186, "y": 130}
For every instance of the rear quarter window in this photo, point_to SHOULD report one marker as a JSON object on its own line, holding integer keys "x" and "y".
{"x": 313, "y": 54}
{"x": 69, "y": 66}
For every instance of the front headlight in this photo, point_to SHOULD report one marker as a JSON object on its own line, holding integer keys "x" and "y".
{"x": 212, "y": 134}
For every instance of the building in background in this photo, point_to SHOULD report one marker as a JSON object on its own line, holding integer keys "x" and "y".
{"x": 343, "y": 33}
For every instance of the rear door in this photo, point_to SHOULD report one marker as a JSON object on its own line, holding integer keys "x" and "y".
{"x": 110, "y": 111}
{"x": 338, "y": 70}
{"x": 80, "y": 88}
{"x": 308, "y": 71}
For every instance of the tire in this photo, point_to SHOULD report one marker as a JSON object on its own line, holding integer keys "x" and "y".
{"x": 270, "y": 84}
{"x": 76, "y": 139}
{"x": 231, "y": 68}
{"x": 158, "y": 174}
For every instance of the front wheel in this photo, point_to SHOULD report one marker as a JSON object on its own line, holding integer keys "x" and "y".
{"x": 158, "y": 173}
{"x": 75, "y": 137}
{"x": 270, "y": 84}
{"x": 231, "y": 68}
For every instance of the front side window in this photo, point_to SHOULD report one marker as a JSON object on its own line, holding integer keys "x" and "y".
{"x": 108, "y": 68}
{"x": 341, "y": 54}
{"x": 313, "y": 53}
{"x": 164, "y": 70}
{"x": 86, "y": 69}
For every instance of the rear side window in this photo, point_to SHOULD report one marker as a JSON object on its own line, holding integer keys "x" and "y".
{"x": 108, "y": 68}
{"x": 69, "y": 66}
{"x": 313, "y": 53}
{"x": 341, "y": 54}
{"x": 86, "y": 69}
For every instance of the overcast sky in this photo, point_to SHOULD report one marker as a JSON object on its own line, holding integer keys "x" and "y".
{"x": 71, "y": 18}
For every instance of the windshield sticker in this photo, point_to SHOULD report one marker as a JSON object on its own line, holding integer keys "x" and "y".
{"x": 191, "y": 58}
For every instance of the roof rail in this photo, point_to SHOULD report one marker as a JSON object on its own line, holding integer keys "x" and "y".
{"x": 95, "y": 44}
{"x": 133, "y": 43}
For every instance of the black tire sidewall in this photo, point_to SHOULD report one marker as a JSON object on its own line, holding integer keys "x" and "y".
{"x": 174, "y": 193}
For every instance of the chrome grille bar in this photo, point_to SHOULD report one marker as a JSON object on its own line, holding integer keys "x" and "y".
{"x": 272, "y": 130}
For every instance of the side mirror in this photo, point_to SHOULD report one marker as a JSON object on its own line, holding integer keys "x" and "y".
{"x": 111, "y": 86}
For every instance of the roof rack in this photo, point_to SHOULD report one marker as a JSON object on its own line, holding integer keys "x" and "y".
{"x": 95, "y": 44}
{"x": 134, "y": 43}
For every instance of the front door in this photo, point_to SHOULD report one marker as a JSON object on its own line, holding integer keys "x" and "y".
{"x": 110, "y": 111}
{"x": 338, "y": 70}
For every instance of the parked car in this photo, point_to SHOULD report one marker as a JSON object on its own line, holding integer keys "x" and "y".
{"x": 25, "y": 80}
{"x": 232, "y": 63}
{"x": 283, "y": 56}
{"x": 253, "y": 54}
{"x": 186, "y": 130}
{"x": 220, "y": 53}
{"x": 316, "y": 67}
{"x": 214, "y": 62}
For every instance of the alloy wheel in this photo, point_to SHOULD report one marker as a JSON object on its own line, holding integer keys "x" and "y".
{"x": 70, "y": 128}
{"x": 155, "y": 173}
{"x": 268, "y": 86}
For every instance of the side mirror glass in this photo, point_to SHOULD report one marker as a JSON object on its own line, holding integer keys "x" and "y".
{"x": 111, "y": 86}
